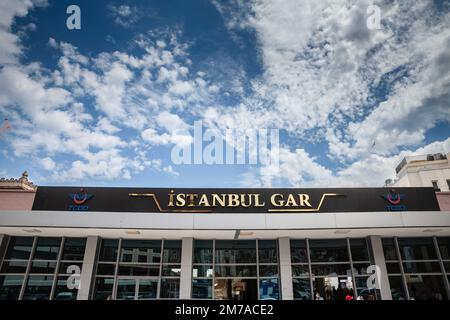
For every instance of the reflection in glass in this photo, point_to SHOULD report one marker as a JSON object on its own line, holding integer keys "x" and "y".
{"x": 298, "y": 251}
{"x": 235, "y": 271}
{"x": 202, "y": 271}
{"x": 417, "y": 248}
{"x": 138, "y": 270}
{"x": 267, "y": 251}
{"x": 332, "y": 288}
{"x": 421, "y": 267}
{"x": 19, "y": 248}
{"x": 170, "y": 288}
{"x": 363, "y": 291}
{"x": 302, "y": 289}
{"x": 268, "y": 271}
{"x": 172, "y": 251}
{"x": 300, "y": 270}
{"x": 103, "y": 288}
{"x": 146, "y": 251}
{"x": 202, "y": 288}
{"x": 43, "y": 267}
{"x": 108, "y": 250}
{"x": 444, "y": 247}
{"x": 74, "y": 249}
{"x": 14, "y": 266}
{"x": 171, "y": 270}
{"x": 397, "y": 288}
{"x": 330, "y": 269}
{"x": 235, "y": 251}
{"x": 126, "y": 289}
{"x": 360, "y": 268}
{"x": 10, "y": 287}
{"x": 429, "y": 287}
{"x": 106, "y": 269}
{"x": 62, "y": 292}
{"x": 203, "y": 251}
{"x": 47, "y": 248}
{"x": 269, "y": 289}
{"x": 328, "y": 250}
{"x": 393, "y": 267}
{"x": 235, "y": 289}
{"x": 38, "y": 288}
{"x": 359, "y": 249}
{"x": 64, "y": 266}
{"x": 147, "y": 289}
{"x": 390, "y": 253}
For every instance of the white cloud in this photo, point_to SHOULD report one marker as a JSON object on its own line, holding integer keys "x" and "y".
{"x": 48, "y": 164}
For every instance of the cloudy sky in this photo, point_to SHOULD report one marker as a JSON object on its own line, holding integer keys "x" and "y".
{"x": 105, "y": 105}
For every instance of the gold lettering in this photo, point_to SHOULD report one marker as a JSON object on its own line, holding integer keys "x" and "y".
{"x": 181, "y": 201}
{"x": 274, "y": 200}
{"x": 304, "y": 200}
{"x": 257, "y": 202}
{"x": 191, "y": 197}
{"x": 203, "y": 202}
{"x": 233, "y": 200}
{"x": 220, "y": 199}
{"x": 291, "y": 201}
{"x": 170, "y": 199}
{"x": 249, "y": 198}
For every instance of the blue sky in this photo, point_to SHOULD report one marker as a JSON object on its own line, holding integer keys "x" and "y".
{"x": 107, "y": 104}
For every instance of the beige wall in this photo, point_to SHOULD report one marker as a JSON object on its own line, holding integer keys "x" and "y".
{"x": 16, "y": 199}
{"x": 444, "y": 200}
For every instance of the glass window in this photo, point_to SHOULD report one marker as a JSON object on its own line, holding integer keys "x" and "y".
{"x": 10, "y": 287}
{"x": 62, "y": 291}
{"x": 360, "y": 268}
{"x": 421, "y": 267}
{"x": 426, "y": 287}
{"x": 103, "y": 288}
{"x": 417, "y": 248}
{"x": 328, "y": 250}
{"x": 38, "y": 288}
{"x": 106, "y": 269}
{"x": 170, "y": 288}
{"x": 171, "y": 270}
{"x": 444, "y": 246}
{"x": 267, "y": 251}
{"x": 148, "y": 289}
{"x": 145, "y": 251}
{"x": 330, "y": 269}
{"x": 64, "y": 267}
{"x": 14, "y": 266}
{"x": 203, "y": 251}
{"x": 300, "y": 270}
{"x": 235, "y": 271}
{"x": 172, "y": 251}
{"x": 363, "y": 292}
{"x": 268, "y": 271}
{"x": 359, "y": 249}
{"x": 202, "y": 288}
{"x": 47, "y": 248}
{"x": 390, "y": 253}
{"x": 298, "y": 251}
{"x": 74, "y": 249}
{"x": 126, "y": 289}
{"x": 19, "y": 248}
{"x": 269, "y": 289}
{"x": 235, "y": 251}
{"x": 43, "y": 267}
{"x": 302, "y": 289}
{"x": 397, "y": 289}
{"x": 138, "y": 270}
{"x": 108, "y": 250}
{"x": 236, "y": 289}
{"x": 202, "y": 271}
{"x": 435, "y": 185}
{"x": 332, "y": 287}
{"x": 393, "y": 267}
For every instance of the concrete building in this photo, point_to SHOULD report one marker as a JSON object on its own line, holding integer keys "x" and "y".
{"x": 430, "y": 170}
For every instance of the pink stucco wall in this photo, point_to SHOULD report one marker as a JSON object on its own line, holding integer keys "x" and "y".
{"x": 16, "y": 199}
{"x": 444, "y": 200}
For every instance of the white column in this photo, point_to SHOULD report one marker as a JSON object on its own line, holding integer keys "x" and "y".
{"x": 186, "y": 268}
{"x": 284, "y": 248}
{"x": 88, "y": 269}
{"x": 378, "y": 255}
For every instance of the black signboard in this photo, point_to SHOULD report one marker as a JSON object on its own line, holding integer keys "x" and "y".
{"x": 206, "y": 201}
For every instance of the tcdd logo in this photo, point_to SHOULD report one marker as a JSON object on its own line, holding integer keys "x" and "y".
{"x": 79, "y": 198}
{"x": 394, "y": 200}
